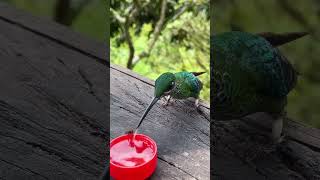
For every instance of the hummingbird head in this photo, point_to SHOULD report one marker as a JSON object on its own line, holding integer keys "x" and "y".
{"x": 164, "y": 84}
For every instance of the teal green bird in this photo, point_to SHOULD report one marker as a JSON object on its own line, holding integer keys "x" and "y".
{"x": 251, "y": 75}
{"x": 181, "y": 85}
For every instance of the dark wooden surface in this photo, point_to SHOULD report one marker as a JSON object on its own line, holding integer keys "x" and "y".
{"x": 242, "y": 151}
{"x": 54, "y": 104}
{"x": 182, "y": 134}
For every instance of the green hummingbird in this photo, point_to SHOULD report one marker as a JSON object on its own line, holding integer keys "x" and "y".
{"x": 251, "y": 75}
{"x": 181, "y": 85}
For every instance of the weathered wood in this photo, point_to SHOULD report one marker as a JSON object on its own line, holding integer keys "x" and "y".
{"x": 60, "y": 34}
{"x": 243, "y": 151}
{"x": 182, "y": 134}
{"x": 54, "y": 102}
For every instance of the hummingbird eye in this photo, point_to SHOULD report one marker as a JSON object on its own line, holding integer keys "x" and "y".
{"x": 172, "y": 84}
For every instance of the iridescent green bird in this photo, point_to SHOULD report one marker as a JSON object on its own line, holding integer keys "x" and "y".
{"x": 181, "y": 85}
{"x": 251, "y": 75}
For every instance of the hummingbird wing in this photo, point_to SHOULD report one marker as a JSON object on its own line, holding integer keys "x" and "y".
{"x": 186, "y": 85}
{"x": 248, "y": 70}
{"x": 274, "y": 75}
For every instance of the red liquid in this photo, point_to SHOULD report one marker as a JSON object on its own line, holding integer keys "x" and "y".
{"x": 130, "y": 154}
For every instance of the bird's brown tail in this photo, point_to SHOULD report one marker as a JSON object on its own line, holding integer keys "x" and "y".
{"x": 198, "y": 73}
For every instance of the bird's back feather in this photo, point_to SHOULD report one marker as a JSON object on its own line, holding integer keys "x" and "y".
{"x": 186, "y": 85}
{"x": 250, "y": 74}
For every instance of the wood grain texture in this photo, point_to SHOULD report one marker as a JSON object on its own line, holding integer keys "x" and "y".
{"x": 182, "y": 134}
{"x": 57, "y": 33}
{"x": 54, "y": 103}
{"x": 243, "y": 151}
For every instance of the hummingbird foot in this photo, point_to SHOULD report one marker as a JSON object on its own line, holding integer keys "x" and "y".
{"x": 196, "y": 103}
{"x": 281, "y": 139}
{"x": 167, "y": 101}
{"x": 277, "y": 126}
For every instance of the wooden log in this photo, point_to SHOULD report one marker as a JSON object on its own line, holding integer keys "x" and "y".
{"x": 53, "y": 101}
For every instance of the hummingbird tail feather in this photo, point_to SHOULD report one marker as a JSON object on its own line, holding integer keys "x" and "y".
{"x": 277, "y": 39}
{"x": 198, "y": 73}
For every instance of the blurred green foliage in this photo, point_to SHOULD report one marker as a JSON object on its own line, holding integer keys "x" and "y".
{"x": 183, "y": 43}
{"x": 283, "y": 16}
{"x": 90, "y": 21}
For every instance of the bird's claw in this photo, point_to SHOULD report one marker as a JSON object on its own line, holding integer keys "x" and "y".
{"x": 197, "y": 105}
{"x": 167, "y": 103}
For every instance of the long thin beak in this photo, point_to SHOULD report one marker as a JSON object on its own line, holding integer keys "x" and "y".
{"x": 154, "y": 100}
